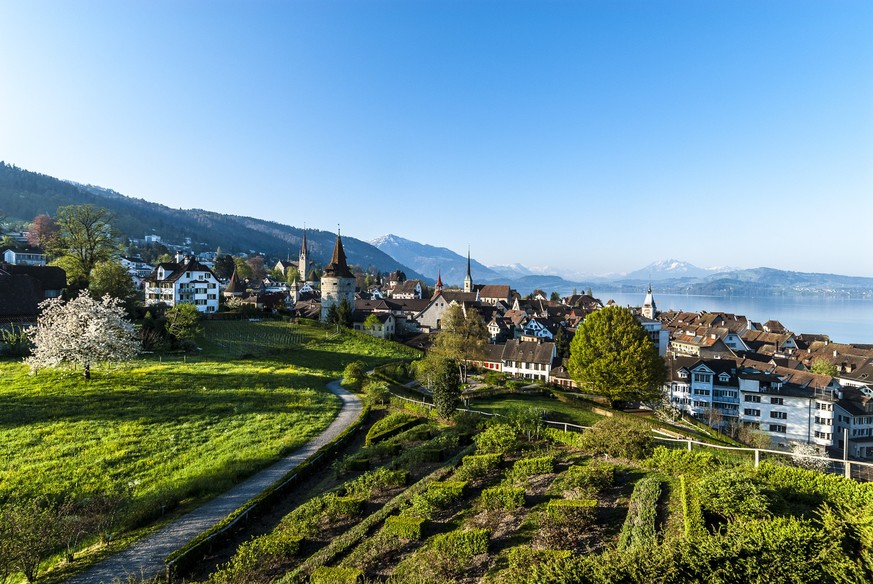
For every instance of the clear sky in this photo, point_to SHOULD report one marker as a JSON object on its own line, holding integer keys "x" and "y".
{"x": 595, "y": 136}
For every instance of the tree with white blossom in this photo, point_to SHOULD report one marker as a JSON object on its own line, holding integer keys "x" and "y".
{"x": 82, "y": 332}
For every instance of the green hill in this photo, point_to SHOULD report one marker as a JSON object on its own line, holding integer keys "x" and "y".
{"x": 25, "y": 194}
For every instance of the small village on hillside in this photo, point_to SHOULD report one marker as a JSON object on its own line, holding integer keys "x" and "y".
{"x": 725, "y": 370}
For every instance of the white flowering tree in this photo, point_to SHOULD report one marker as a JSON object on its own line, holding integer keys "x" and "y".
{"x": 81, "y": 332}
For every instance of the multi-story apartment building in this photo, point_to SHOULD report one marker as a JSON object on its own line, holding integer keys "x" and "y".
{"x": 186, "y": 281}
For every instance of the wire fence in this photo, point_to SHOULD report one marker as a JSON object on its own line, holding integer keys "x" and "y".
{"x": 853, "y": 469}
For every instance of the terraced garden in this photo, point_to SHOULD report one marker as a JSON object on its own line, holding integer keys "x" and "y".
{"x": 427, "y": 502}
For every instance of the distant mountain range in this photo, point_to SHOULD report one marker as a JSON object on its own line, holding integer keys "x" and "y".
{"x": 25, "y": 194}
{"x": 671, "y": 276}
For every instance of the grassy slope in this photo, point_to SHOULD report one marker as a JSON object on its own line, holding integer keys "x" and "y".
{"x": 169, "y": 432}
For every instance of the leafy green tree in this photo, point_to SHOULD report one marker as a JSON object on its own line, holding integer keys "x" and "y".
{"x": 462, "y": 338}
{"x": 823, "y": 366}
{"x": 340, "y": 313}
{"x": 377, "y": 392}
{"x": 354, "y": 375}
{"x": 85, "y": 238}
{"x": 110, "y": 277}
{"x": 555, "y": 297}
{"x": 292, "y": 274}
{"x": 562, "y": 343}
{"x": 446, "y": 387}
{"x": 611, "y": 355}
{"x": 243, "y": 269}
{"x": 371, "y": 322}
{"x": 258, "y": 270}
{"x": 183, "y": 322}
{"x": 224, "y": 266}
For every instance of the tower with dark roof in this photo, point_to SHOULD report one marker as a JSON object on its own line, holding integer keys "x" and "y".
{"x": 338, "y": 281}
{"x": 439, "y": 283}
{"x": 468, "y": 279}
{"x": 303, "y": 265}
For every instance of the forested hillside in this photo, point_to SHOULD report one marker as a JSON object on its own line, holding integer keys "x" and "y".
{"x": 25, "y": 194}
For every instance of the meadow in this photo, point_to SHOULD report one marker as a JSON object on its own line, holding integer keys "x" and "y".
{"x": 167, "y": 431}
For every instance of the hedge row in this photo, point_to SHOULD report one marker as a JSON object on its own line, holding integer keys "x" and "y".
{"x": 533, "y": 466}
{"x": 328, "y": 575}
{"x": 507, "y": 498}
{"x": 390, "y": 425}
{"x": 694, "y": 524}
{"x": 478, "y": 465}
{"x": 462, "y": 544}
{"x": 639, "y": 528}
{"x": 592, "y": 477}
{"x": 404, "y": 527}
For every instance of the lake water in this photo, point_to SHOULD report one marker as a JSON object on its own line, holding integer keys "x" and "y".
{"x": 845, "y": 320}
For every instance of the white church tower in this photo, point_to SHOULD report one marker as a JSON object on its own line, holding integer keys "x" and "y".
{"x": 649, "y": 309}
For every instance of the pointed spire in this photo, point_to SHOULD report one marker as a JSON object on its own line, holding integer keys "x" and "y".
{"x": 338, "y": 266}
{"x": 303, "y": 249}
{"x": 468, "y": 262}
{"x": 468, "y": 279}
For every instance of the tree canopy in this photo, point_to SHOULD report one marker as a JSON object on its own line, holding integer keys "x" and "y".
{"x": 85, "y": 237}
{"x": 462, "y": 338}
{"x": 110, "y": 277}
{"x": 81, "y": 332}
{"x": 442, "y": 376}
{"x": 611, "y": 355}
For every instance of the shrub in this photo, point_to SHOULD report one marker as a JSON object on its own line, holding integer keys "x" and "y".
{"x": 453, "y": 490}
{"x": 406, "y": 527}
{"x": 354, "y": 375}
{"x": 567, "y": 438}
{"x": 388, "y": 426}
{"x": 692, "y": 513}
{"x": 676, "y": 462}
{"x": 496, "y": 439}
{"x": 329, "y": 575}
{"x": 619, "y": 438}
{"x": 566, "y": 508}
{"x": 345, "y": 506}
{"x": 257, "y": 557}
{"x": 590, "y": 478}
{"x": 477, "y": 465}
{"x": 639, "y": 526}
{"x": 381, "y": 478}
{"x": 462, "y": 544}
{"x": 523, "y": 557}
{"x": 507, "y": 498}
{"x": 732, "y": 495}
{"x": 533, "y": 466}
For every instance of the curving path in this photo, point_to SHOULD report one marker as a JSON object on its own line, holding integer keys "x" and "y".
{"x": 146, "y": 557}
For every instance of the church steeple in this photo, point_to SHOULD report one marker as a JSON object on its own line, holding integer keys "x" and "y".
{"x": 468, "y": 279}
{"x": 439, "y": 283}
{"x": 303, "y": 264}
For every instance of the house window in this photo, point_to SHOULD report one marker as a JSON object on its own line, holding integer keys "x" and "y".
{"x": 779, "y": 415}
{"x": 777, "y": 401}
{"x": 824, "y": 421}
{"x": 701, "y": 392}
{"x": 778, "y": 428}
{"x": 702, "y": 377}
{"x": 753, "y": 398}
{"x": 751, "y": 412}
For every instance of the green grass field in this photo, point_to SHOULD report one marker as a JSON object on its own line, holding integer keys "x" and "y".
{"x": 169, "y": 430}
{"x": 555, "y": 410}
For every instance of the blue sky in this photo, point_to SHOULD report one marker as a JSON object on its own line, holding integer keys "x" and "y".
{"x": 593, "y": 136}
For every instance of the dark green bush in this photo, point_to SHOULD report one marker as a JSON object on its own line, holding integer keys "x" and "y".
{"x": 567, "y": 438}
{"x": 619, "y": 438}
{"x": 345, "y": 506}
{"x": 639, "y": 526}
{"x": 497, "y": 438}
{"x": 478, "y": 465}
{"x": 588, "y": 478}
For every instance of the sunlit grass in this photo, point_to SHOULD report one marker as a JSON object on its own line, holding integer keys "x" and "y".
{"x": 169, "y": 430}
